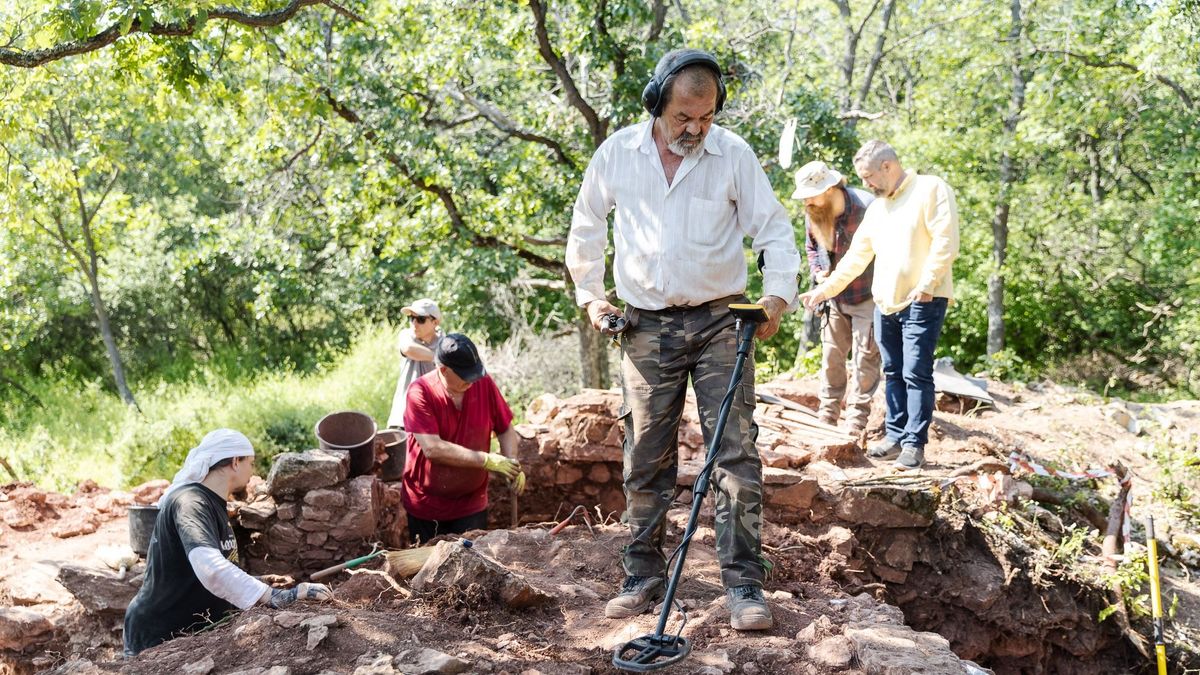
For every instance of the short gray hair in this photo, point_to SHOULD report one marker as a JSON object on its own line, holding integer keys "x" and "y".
{"x": 696, "y": 80}
{"x": 873, "y": 153}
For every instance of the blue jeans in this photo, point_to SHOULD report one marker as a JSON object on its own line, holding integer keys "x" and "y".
{"x": 906, "y": 342}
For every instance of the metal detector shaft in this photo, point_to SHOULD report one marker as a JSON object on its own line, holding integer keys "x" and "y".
{"x": 1160, "y": 645}
{"x": 745, "y": 332}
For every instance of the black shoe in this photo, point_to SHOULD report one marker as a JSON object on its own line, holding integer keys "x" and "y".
{"x": 748, "y": 609}
{"x": 885, "y": 449}
{"x": 637, "y": 595}
{"x": 911, "y": 458}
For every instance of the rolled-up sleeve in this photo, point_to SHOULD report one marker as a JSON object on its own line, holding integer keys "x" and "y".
{"x": 941, "y": 219}
{"x": 854, "y": 263}
{"x": 589, "y": 232}
{"x": 763, "y": 218}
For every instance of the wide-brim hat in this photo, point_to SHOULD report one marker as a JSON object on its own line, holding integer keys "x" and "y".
{"x": 815, "y": 178}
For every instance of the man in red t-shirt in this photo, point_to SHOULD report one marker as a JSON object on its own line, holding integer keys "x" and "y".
{"x": 451, "y": 415}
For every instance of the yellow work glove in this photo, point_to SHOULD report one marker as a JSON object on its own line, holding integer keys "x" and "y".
{"x": 518, "y": 484}
{"x": 502, "y": 465}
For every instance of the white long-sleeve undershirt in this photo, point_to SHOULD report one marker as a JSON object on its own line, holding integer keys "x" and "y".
{"x": 224, "y": 579}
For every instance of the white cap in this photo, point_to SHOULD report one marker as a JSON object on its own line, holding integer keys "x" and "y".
{"x": 815, "y": 178}
{"x": 423, "y": 307}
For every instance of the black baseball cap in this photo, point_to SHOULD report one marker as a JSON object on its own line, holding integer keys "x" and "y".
{"x": 458, "y": 353}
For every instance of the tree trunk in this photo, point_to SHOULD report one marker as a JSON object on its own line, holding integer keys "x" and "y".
{"x": 593, "y": 354}
{"x": 1008, "y": 177}
{"x": 110, "y": 343}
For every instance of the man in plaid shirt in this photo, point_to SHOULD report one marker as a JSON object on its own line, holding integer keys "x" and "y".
{"x": 832, "y": 215}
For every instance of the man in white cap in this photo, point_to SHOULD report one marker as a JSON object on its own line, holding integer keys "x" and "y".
{"x": 416, "y": 344}
{"x": 192, "y": 577}
{"x": 832, "y": 215}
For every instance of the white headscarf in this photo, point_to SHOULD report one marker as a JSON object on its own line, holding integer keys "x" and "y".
{"x": 214, "y": 447}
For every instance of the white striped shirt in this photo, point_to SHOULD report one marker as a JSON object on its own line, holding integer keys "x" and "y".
{"x": 678, "y": 244}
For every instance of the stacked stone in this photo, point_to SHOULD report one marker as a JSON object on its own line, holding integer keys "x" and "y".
{"x": 575, "y": 445}
{"x": 309, "y": 514}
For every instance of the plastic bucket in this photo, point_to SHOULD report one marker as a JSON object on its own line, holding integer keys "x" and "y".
{"x": 351, "y": 432}
{"x": 141, "y": 527}
{"x": 393, "y": 443}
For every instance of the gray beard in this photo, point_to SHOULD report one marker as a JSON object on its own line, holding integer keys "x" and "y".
{"x": 677, "y": 147}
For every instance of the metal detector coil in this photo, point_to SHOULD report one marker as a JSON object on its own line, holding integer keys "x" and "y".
{"x": 658, "y": 650}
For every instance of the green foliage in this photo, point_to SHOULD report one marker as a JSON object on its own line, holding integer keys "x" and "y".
{"x": 257, "y": 198}
{"x": 1178, "y": 483}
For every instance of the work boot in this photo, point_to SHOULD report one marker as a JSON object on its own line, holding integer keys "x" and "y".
{"x": 829, "y": 417}
{"x": 637, "y": 595}
{"x": 885, "y": 449}
{"x": 748, "y": 610}
{"x": 911, "y": 458}
{"x": 855, "y": 426}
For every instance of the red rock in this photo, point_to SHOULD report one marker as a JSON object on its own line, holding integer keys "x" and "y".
{"x": 542, "y": 409}
{"x": 797, "y": 497}
{"x": 284, "y": 532}
{"x": 286, "y": 510}
{"x": 81, "y": 521}
{"x": 17, "y": 517}
{"x": 310, "y": 513}
{"x": 256, "y": 515}
{"x": 325, "y": 499}
{"x": 599, "y": 473}
{"x": 21, "y": 628}
{"x": 150, "y": 492}
{"x": 567, "y": 474}
{"x": 88, "y": 486}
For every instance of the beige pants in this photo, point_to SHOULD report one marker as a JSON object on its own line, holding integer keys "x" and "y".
{"x": 850, "y": 332}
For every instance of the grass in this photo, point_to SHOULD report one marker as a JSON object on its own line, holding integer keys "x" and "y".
{"x": 84, "y": 431}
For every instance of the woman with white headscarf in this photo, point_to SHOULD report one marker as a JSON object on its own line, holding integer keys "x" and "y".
{"x": 192, "y": 577}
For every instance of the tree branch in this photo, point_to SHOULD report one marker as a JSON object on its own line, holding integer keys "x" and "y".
{"x": 502, "y": 122}
{"x": 857, "y": 114}
{"x": 597, "y": 126}
{"x": 1098, "y": 62}
{"x": 443, "y": 193}
{"x": 38, "y": 57}
{"x": 877, "y": 55}
{"x": 660, "y": 19}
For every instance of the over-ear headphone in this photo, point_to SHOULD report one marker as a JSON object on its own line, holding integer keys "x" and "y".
{"x": 671, "y": 63}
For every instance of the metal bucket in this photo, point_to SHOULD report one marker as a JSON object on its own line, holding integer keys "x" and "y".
{"x": 393, "y": 441}
{"x": 352, "y": 432}
{"x": 141, "y": 527}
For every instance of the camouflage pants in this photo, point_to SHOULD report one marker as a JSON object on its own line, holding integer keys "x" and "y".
{"x": 661, "y": 350}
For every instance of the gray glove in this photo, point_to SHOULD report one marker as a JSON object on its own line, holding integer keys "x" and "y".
{"x": 281, "y": 598}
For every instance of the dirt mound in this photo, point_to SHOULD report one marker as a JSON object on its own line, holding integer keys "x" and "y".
{"x": 819, "y": 629}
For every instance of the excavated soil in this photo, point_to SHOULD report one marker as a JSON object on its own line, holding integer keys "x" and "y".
{"x": 871, "y": 548}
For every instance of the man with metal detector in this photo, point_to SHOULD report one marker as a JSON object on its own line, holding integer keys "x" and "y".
{"x": 685, "y": 192}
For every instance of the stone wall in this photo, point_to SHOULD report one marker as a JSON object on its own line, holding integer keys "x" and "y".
{"x": 309, "y": 514}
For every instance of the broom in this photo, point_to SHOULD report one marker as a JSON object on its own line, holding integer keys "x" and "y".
{"x": 405, "y": 563}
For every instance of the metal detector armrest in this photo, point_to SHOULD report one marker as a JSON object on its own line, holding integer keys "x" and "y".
{"x": 749, "y": 312}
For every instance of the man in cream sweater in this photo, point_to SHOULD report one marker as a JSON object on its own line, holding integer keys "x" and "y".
{"x": 911, "y": 232}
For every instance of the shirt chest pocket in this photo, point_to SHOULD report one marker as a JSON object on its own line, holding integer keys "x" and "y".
{"x": 708, "y": 221}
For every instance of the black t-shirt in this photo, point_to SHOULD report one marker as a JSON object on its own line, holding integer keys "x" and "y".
{"x": 172, "y": 601}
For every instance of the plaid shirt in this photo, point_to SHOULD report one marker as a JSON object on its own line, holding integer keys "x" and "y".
{"x": 844, "y": 228}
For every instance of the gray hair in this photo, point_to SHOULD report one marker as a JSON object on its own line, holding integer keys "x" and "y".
{"x": 873, "y": 153}
{"x": 696, "y": 79}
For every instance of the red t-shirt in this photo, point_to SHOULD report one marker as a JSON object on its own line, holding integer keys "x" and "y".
{"x": 440, "y": 492}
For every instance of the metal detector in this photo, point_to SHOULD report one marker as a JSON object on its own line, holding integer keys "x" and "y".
{"x": 657, "y": 650}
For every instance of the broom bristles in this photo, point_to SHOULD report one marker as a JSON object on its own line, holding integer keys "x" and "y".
{"x": 408, "y": 562}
